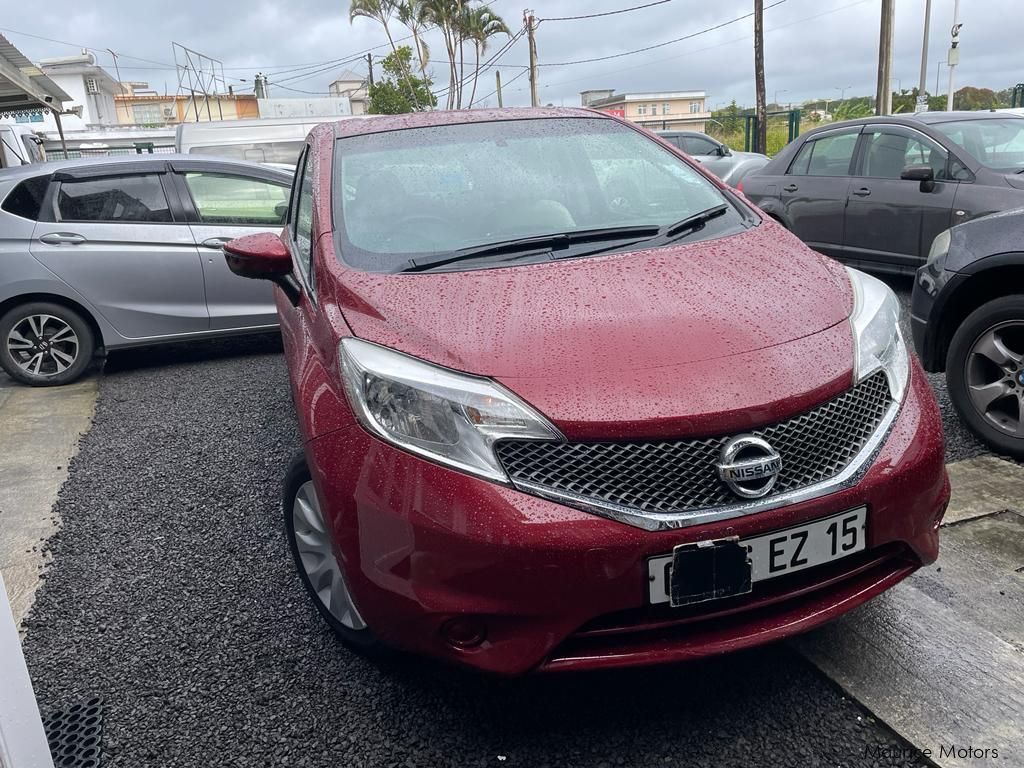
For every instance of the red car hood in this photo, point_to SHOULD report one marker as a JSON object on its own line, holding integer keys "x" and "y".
{"x": 642, "y": 342}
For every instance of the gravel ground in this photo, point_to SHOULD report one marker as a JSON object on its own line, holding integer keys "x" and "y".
{"x": 172, "y": 595}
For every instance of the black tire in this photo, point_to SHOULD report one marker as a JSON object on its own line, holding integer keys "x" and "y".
{"x": 50, "y": 375}
{"x": 979, "y": 322}
{"x": 362, "y": 640}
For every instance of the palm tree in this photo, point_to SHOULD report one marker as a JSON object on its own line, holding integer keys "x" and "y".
{"x": 480, "y": 24}
{"x": 445, "y": 15}
{"x": 378, "y": 10}
{"x": 415, "y": 15}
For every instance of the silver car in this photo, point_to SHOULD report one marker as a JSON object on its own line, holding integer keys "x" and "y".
{"x": 117, "y": 252}
{"x": 728, "y": 165}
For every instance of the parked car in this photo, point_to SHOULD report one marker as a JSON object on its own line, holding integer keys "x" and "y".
{"x": 19, "y": 145}
{"x": 116, "y": 252}
{"x": 968, "y": 320}
{"x": 546, "y": 432}
{"x": 875, "y": 192}
{"x": 728, "y": 165}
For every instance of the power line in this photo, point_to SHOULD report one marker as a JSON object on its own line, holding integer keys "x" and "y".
{"x": 513, "y": 39}
{"x": 659, "y": 45}
{"x": 606, "y": 13}
{"x": 485, "y": 98}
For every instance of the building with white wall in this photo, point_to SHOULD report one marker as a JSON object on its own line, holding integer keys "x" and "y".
{"x": 90, "y": 87}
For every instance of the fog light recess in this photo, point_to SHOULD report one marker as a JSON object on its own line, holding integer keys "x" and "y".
{"x": 464, "y": 632}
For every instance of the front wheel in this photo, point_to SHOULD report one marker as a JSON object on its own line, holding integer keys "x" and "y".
{"x": 44, "y": 344}
{"x": 312, "y": 547}
{"x": 985, "y": 373}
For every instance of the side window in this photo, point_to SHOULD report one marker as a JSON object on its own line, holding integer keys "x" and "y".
{"x": 237, "y": 200}
{"x": 114, "y": 198}
{"x": 302, "y": 224}
{"x": 888, "y": 152}
{"x": 802, "y": 160}
{"x": 831, "y": 155}
{"x": 695, "y": 145}
{"x": 26, "y": 199}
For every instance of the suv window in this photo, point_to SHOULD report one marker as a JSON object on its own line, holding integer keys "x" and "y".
{"x": 26, "y": 199}
{"x": 221, "y": 199}
{"x": 827, "y": 156}
{"x": 302, "y": 223}
{"x": 695, "y": 145}
{"x": 114, "y": 198}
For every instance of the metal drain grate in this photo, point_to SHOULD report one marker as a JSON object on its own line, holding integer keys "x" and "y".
{"x": 74, "y": 734}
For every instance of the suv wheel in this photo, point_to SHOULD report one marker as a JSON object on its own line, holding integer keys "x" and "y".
{"x": 985, "y": 373}
{"x": 312, "y": 546}
{"x": 45, "y": 344}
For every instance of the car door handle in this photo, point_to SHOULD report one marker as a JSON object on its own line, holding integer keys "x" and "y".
{"x": 216, "y": 242}
{"x": 862, "y": 192}
{"x": 790, "y": 188}
{"x": 62, "y": 238}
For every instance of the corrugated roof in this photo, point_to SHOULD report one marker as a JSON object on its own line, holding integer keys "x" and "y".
{"x": 23, "y": 87}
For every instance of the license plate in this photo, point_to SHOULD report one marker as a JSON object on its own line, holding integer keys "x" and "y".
{"x": 770, "y": 555}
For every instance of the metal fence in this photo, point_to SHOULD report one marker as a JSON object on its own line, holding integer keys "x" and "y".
{"x": 141, "y": 148}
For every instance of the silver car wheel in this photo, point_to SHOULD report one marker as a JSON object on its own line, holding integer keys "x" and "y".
{"x": 995, "y": 377}
{"x": 43, "y": 345}
{"x": 316, "y": 552}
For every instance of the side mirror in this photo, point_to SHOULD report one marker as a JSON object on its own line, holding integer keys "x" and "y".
{"x": 724, "y": 151}
{"x": 924, "y": 174}
{"x": 263, "y": 257}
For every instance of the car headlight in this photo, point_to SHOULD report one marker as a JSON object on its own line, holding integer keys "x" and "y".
{"x": 877, "y": 339}
{"x": 449, "y": 417}
{"x": 939, "y": 250}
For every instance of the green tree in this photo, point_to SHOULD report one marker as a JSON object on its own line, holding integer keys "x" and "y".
{"x": 397, "y": 91}
{"x": 972, "y": 98}
{"x": 415, "y": 16}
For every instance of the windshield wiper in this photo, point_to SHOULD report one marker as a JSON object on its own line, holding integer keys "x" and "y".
{"x": 695, "y": 222}
{"x": 530, "y": 245}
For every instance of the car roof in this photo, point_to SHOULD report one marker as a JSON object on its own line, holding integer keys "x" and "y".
{"x": 919, "y": 118}
{"x": 387, "y": 123}
{"x": 82, "y": 163}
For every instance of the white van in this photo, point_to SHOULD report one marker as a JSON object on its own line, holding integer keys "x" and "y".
{"x": 19, "y": 145}
{"x": 276, "y": 140}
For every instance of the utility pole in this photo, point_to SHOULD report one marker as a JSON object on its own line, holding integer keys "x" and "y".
{"x": 954, "y": 52}
{"x": 369, "y": 66}
{"x": 883, "y": 94}
{"x": 531, "y": 26}
{"x": 497, "y": 79}
{"x": 922, "y": 85}
{"x": 761, "y": 136}
{"x": 120, "y": 88}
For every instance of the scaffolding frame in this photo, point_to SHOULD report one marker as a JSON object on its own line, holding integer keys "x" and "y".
{"x": 201, "y": 78}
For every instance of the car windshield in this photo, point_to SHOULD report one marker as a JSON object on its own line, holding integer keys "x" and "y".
{"x": 424, "y": 192}
{"x": 997, "y": 143}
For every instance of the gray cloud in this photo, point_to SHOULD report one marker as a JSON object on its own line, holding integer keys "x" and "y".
{"x": 813, "y": 47}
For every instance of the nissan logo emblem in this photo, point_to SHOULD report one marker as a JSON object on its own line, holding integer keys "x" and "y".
{"x": 749, "y": 466}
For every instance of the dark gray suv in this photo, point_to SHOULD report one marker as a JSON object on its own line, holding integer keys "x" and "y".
{"x": 875, "y": 192}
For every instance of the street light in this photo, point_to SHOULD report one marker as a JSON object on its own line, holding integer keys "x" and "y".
{"x": 775, "y": 101}
{"x": 842, "y": 91}
{"x": 899, "y": 84}
{"x": 938, "y": 69}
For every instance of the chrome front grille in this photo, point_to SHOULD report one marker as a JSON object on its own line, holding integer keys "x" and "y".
{"x": 660, "y": 478}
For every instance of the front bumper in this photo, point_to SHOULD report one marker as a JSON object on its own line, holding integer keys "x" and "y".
{"x": 559, "y": 589}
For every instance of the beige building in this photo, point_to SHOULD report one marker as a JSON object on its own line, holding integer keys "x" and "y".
{"x": 138, "y": 107}
{"x": 678, "y": 110}
{"x": 353, "y": 86}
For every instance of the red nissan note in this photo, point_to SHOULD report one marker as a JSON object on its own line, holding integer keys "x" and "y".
{"x": 569, "y": 402}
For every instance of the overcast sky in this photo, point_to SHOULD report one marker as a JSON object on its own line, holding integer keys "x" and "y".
{"x": 813, "y": 47}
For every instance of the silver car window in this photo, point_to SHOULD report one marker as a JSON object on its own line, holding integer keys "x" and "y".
{"x": 114, "y": 198}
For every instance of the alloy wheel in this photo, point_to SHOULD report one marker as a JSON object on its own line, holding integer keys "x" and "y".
{"x": 994, "y": 373}
{"x": 43, "y": 345}
{"x": 316, "y": 553}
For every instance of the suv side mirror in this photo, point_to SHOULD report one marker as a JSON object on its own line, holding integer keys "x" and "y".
{"x": 263, "y": 257}
{"x": 724, "y": 151}
{"x": 922, "y": 173}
